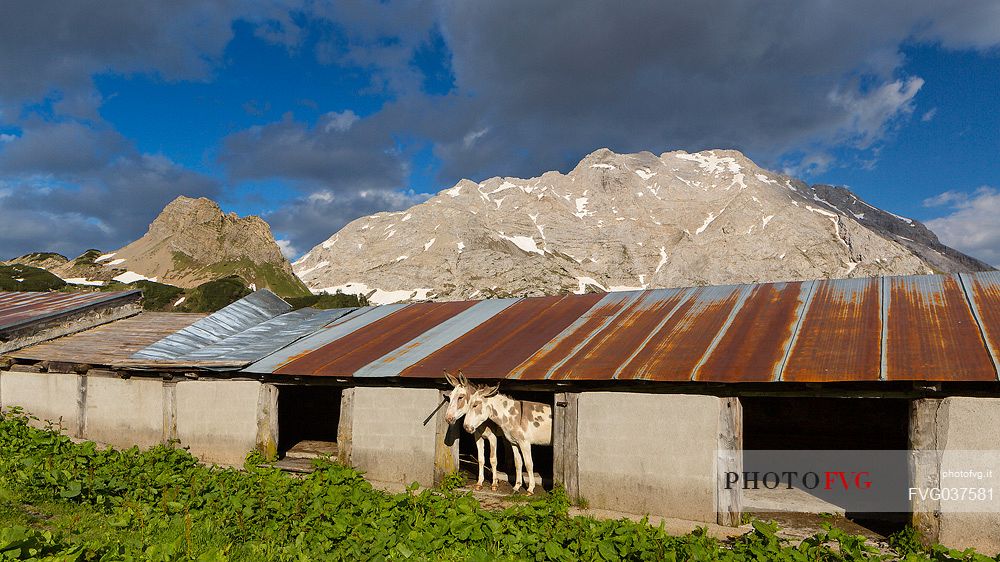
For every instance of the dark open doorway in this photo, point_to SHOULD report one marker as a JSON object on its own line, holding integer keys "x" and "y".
{"x": 840, "y": 425}
{"x": 308, "y": 419}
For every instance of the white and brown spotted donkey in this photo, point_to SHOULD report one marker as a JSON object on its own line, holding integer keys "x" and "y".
{"x": 523, "y": 423}
{"x": 458, "y": 406}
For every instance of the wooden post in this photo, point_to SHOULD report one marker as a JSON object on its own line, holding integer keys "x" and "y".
{"x": 267, "y": 421}
{"x": 169, "y": 412}
{"x": 565, "y": 451}
{"x": 729, "y": 459}
{"x": 345, "y": 427}
{"x": 81, "y": 406}
{"x": 445, "y": 443}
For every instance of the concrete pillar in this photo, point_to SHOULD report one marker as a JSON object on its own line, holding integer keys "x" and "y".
{"x": 390, "y": 441}
{"x": 650, "y": 453}
{"x": 949, "y": 435}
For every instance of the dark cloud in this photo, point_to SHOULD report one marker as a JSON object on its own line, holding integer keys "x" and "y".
{"x": 340, "y": 151}
{"x": 309, "y": 220}
{"x": 67, "y": 187}
{"x": 48, "y": 45}
{"x": 770, "y": 79}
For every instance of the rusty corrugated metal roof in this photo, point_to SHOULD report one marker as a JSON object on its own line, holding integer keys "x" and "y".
{"x": 20, "y": 310}
{"x": 930, "y": 328}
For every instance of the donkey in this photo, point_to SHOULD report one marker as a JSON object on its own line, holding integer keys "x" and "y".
{"x": 523, "y": 423}
{"x": 458, "y": 406}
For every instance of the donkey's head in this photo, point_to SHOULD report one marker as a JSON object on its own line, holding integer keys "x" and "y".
{"x": 477, "y": 412}
{"x": 458, "y": 400}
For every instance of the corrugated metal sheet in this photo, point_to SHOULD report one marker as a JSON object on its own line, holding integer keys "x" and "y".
{"x": 983, "y": 291}
{"x": 494, "y": 348}
{"x": 238, "y": 317}
{"x": 109, "y": 343}
{"x": 931, "y": 333}
{"x": 840, "y": 334}
{"x": 20, "y": 310}
{"x": 931, "y": 328}
{"x": 368, "y": 344}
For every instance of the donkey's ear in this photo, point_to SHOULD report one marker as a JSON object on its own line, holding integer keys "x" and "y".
{"x": 491, "y": 390}
{"x": 451, "y": 380}
{"x": 462, "y": 380}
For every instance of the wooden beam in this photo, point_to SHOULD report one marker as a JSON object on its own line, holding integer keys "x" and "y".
{"x": 729, "y": 508}
{"x": 565, "y": 442}
{"x": 345, "y": 427}
{"x": 169, "y": 412}
{"x": 267, "y": 421}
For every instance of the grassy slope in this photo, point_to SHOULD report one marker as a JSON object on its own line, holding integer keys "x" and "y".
{"x": 34, "y": 279}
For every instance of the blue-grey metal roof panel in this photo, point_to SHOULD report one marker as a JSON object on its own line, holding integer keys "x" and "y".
{"x": 239, "y": 316}
{"x": 336, "y": 330}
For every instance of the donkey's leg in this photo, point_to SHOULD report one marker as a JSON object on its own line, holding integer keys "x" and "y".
{"x": 492, "y": 438}
{"x": 517, "y": 466}
{"x": 530, "y": 466}
{"x": 480, "y": 445}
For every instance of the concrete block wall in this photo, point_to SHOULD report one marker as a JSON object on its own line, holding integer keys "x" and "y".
{"x": 123, "y": 412}
{"x": 220, "y": 421}
{"x": 649, "y": 453}
{"x": 389, "y": 441}
{"x": 965, "y": 430}
{"x": 53, "y": 398}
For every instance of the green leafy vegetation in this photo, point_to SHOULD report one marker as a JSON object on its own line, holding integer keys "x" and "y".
{"x": 213, "y": 295}
{"x": 326, "y": 300}
{"x": 87, "y": 258}
{"x": 155, "y": 296}
{"x": 262, "y": 275}
{"x": 26, "y": 278}
{"x": 75, "y": 501}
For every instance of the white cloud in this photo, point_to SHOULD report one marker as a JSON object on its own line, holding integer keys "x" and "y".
{"x": 869, "y": 115}
{"x": 4, "y": 137}
{"x": 929, "y": 114}
{"x": 287, "y": 249}
{"x": 971, "y": 226}
{"x": 339, "y": 122}
{"x": 471, "y": 137}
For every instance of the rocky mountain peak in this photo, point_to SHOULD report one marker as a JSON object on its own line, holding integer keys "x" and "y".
{"x": 617, "y": 222}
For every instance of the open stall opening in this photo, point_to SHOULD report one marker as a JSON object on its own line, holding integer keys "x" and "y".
{"x": 841, "y": 425}
{"x": 540, "y": 454}
{"x": 308, "y": 419}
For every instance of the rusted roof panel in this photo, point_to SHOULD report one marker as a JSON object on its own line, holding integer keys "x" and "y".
{"x": 348, "y": 354}
{"x": 331, "y": 332}
{"x": 109, "y": 343}
{"x": 685, "y": 336}
{"x": 496, "y": 346}
{"x": 598, "y": 355}
{"x": 930, "y": 333}
{"x": 19, "y": 310}
{"x": 904, "y": 328}
{"x": 239, "y": 316}
{"x": 396, "y": 361}
{"x": 983, "y": 290}
{"x": 839, "y": 338}
{"x": 754, "y": 343}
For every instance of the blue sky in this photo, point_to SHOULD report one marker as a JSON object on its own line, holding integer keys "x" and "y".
{"x": 312, "y": 114}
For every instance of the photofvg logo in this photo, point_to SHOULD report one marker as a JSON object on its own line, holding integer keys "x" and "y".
{"x": 828, "y": 480}
{"x": 859, "y": 481}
